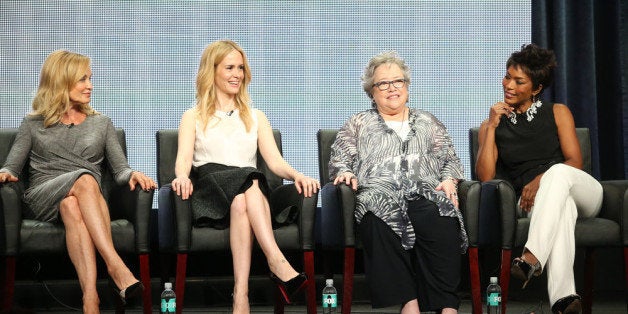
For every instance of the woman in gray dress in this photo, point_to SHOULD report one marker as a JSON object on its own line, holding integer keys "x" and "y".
{"x": 65, "y": 141}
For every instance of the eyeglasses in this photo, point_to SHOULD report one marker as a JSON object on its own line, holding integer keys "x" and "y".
{"x": 385, "y": 85}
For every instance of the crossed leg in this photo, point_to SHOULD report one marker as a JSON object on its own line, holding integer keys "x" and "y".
{"x": 87, "y": 223}
{"x": 250, "y": 216}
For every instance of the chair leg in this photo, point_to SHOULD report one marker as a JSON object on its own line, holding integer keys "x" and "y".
{"x": 474, "y": 273}
{"x": 347, "y": 290}
{"x": 182, "y": 259}
{"x": 308, "y": 262}
{"x": 626, "y": 274}
{"x": 504, "y": 276}
{"x": 145, "y": 278}
{"x": 9, "y": 283}
{"x": 589, "y": 268}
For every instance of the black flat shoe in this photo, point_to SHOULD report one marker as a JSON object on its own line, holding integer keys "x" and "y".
{"x": 128, "y": 293}
{"x": 522, "y": 270}
{"x": 289, "y": 289}
{"x": 568, "y": 305}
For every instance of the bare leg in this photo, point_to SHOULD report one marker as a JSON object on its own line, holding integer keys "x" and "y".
{"x": 411, "y": 307}
{"x": 258, "y": 211}
{"x": 95, "y": 215}
{"x": 81, "y": 251}
{"x": 241, "y": 241}
{"x": 449, "y": 310}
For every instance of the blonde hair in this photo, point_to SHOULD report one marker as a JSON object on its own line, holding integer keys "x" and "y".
{"x": 59, "y": 74}
{"x": 206, "y": 97}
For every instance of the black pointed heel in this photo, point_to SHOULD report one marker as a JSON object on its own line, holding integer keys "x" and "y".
{"x": 524, "y": 271}
{"x": 124, "y": 295}
{"x": 568, "y": 305}
{"x": 289, "y": 289}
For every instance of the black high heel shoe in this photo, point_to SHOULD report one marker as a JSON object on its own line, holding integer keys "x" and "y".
{"x": 568, "y": 305}
{"x": 525, "y": 271}
{"x": 289, "y": 289}
{"x": 124, "y": 295}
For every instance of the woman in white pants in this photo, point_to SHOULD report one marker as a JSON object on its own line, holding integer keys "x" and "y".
{"x": 536, "y": 144}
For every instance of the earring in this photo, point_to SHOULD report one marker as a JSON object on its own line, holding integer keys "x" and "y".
{"x": 535, "y": 100}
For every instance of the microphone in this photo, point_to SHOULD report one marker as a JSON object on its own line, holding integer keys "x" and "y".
{"x": 230, "y": 113}
{"x": 71, "y": 125}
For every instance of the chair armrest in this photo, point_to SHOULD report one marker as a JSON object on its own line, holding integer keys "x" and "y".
{"x": 165, "y": 219}
{"x": 615, "y": 204}
{"x": 136, "y": 206}
{"x": 346, "y": 196}
{"x": 624, "y": 224}
{"x": 507, "y": 206}
{"x": 469, "y": 204}
{"x": 183, "y": 223}
{"x": 11, "y": 198}
{"x": 307, "y": 221}
{"x": 286, "y": 195}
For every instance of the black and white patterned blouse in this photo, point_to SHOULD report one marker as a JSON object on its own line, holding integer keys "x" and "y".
{"x": 392, "y": 171}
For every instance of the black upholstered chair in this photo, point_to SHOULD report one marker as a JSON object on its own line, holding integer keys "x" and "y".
{"x": 468, "y": 192}
{"x": 298, "y": 236}
{"x": 129, "y": 211}
{"x": 608, "y": 229}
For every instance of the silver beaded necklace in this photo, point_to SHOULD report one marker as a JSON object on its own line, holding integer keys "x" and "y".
{"x": 529, "y": 113}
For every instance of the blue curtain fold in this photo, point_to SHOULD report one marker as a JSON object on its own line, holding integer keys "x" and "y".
{"x": 589, "y": 38}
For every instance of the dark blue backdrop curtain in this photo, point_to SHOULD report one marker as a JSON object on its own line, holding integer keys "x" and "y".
{"x": 590, "y": 38}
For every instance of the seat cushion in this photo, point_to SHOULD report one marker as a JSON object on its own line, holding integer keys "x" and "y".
{"x": 598, "y": 232}
{"x": 210, "y": 239}
{"x": 123, "y": 234}
{"x": 39, "y": 237}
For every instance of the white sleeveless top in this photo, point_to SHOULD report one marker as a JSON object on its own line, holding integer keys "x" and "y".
{"x": 225, "y": 141}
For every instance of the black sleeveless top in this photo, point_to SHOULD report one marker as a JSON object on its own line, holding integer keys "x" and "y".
{"x": 528, "y": 148}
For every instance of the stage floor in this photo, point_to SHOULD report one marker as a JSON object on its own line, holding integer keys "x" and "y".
{"x": 614, "y": 305}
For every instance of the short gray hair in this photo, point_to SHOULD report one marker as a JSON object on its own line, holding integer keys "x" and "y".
{"x": 387, "y": 57}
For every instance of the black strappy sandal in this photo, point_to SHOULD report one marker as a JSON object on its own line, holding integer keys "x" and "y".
{"x": 522, "y": 270}
{"x": 568, "y": 305}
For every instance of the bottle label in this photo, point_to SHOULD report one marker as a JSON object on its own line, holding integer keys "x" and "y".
{"x": 168, "y": 306}
{"x": 493, "y": 299}
{"x": 329, "y": 300}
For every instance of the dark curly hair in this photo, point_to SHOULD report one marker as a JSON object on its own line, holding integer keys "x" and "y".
{"x": 536, "y": 62}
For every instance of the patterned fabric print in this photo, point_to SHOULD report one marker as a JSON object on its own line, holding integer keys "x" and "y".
{"x": 392, "y": 171}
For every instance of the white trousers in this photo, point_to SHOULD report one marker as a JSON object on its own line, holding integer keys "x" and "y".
{"x": 565, "y": 193}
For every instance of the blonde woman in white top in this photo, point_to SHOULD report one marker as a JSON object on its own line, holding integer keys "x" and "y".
{"x": 222, "y": 117}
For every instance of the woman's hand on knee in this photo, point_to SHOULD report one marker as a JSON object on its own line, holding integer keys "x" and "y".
{"x": 528, "y": 194}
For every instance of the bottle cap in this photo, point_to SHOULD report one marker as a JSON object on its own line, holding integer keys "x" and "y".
{"x": 168, "y": 285}
{"x": 493, "y": 279}
{"x": 329, "y": 282}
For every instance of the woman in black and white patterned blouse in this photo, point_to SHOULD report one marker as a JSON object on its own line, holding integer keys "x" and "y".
{"x": 402, "y": 163}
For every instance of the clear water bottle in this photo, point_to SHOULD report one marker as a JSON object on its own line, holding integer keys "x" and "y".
{"x": 493, "y": 297}
{"x": 168, "y": 300}
{"x": 330, "y": 299}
